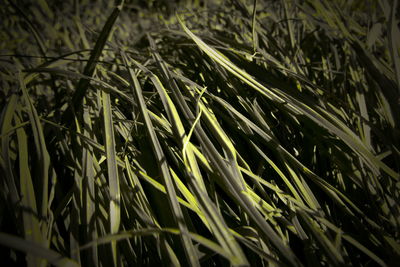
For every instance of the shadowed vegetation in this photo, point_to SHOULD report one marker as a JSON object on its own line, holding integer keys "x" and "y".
{"x": 200, "y": 133}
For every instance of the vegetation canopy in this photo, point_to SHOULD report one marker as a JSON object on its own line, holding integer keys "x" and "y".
{"x": 200, "y": 133}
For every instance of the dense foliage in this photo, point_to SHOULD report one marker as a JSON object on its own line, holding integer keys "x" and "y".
{"x": 188, "y": 133}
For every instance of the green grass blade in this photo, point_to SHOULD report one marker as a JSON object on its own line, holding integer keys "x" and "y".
{"x": 112, "y": 168}
{"x": 318, "y": 115}
{"x": 90, "y": 67}
{"x": 46, "y": 171}
{"x": 33, "y": 248}
{"x": 394, "y": 41}
{"x": 88, "y": 196}
{"x": 163, "y": 166}
{"x": 6, "y": 128}
{"x": 31, "y": 221}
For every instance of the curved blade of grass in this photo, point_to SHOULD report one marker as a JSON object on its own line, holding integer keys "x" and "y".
{"x": 279, "y": 172}
{"x": 163, "y": 166}
{"x": 233, "y": 182}
{"x": 162, "y": 189}
{"x": 304, "y": 191}
{"x": 180, "y": 131}
{"x": 235, "y": 186}
{"x": 215, "y": 222}
{"x": 285, "y": 197}
{"x": 331, "y": 190}
{"x": 329, "y": 122}
{"x": 33, "y": 248}
{"x": 187, "y": 154}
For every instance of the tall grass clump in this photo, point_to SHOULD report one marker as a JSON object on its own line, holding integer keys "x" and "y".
{"x": 200, "y": 133}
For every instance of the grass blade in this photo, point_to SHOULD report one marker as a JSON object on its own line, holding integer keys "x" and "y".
{"x": 90, "y": 67}
{"x": 46, "y": 172}
{"x": 163, "y": 166}
{"x": 112, "y": 168}
{"x": 33, "y": 248}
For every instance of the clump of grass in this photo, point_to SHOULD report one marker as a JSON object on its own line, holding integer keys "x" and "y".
{"x": 227, "y": 133}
